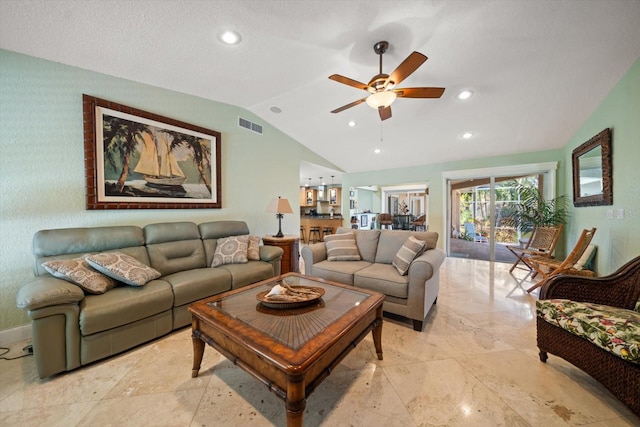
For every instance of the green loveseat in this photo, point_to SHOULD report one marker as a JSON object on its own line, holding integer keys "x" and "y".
{"x": 71, "y": 328}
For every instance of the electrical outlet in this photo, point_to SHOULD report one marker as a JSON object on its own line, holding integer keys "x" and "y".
{"x": 609, "y": 213}
{"x": 620, "y": 214}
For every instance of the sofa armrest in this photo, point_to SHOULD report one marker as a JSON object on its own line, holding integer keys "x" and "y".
{"x": 313, "y": 254}
{"x": 46, "y": 291}
{"x": 427, "y": 263}
{"x": 620, "y": 289}
{"x": 270, "y": 253}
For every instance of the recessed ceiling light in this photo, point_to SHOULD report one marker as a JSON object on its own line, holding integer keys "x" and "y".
{"x": 352, "y": 124}
{"x": 230, "y": 37}
{"x": 377, "y": 151}
{"x": 276, "y": 110}
{"x": 465, "y": 94}
{"x": 467, "y": 135}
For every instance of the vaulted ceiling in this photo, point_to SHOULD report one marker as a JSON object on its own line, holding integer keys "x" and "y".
{"x": 537, "y": 68}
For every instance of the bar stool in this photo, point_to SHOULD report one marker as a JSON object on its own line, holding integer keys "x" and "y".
{"x": 326, "y": 231}
{"x": 314, "y": 235}
{"x": 302, "y": 232}
{"x": 385, "y": 220}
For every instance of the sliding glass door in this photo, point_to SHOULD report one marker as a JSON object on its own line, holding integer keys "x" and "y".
{"x": 475, "y": 208}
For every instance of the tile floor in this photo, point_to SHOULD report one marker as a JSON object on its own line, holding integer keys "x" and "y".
{"x": 475, "y": 364}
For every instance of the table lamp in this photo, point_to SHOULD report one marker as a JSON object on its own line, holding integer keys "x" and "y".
{"x": 280, "y": 206}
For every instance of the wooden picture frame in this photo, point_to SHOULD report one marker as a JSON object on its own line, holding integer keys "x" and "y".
{"x": 593, "y": 171}
{"x": 139, "y": 160}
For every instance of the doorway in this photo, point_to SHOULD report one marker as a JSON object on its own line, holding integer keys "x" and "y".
{"x": 475, "y": 201}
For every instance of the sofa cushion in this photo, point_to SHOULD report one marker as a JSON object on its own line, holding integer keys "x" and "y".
{"x": 122, "y": 267}
{"x": 193, "y": 285}
{"x": 253, "y": 251}
{"x": 174, "y": 247}
{"x": 214, "y": 230}
{"x": 411, "y": 248}
{"x": 79, "y": 272}
{"x": 366, "y": 240}
{"x": 338, "y": 271}
{"x": 342, "y": 247}
{"x": 124, "y": 305}
{"x": 251, "y": 272}
{"x": 613, "y": 329}
{"x": 231, "y": 250}
{"x": 383, "y": 278}
{"x": 392, "y": 240}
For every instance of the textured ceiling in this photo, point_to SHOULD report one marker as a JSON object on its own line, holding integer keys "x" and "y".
{"x": 538, "y": 68}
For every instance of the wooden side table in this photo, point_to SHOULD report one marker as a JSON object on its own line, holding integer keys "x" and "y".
{"x": 291, "y": 247}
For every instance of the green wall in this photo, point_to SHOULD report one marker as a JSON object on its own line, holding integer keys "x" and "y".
{"x": 42, "y": 167}
{"x": 617, "y": 240}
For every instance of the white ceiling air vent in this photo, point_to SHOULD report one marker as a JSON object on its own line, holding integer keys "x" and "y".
{"x": 253, "y": 127}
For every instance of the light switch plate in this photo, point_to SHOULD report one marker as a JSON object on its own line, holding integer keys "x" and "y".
{"x": 609, "y": 213}
{"x": 620, "y": 214}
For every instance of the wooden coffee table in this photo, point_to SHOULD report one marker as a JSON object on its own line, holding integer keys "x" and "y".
{"x": 290, "y": 350}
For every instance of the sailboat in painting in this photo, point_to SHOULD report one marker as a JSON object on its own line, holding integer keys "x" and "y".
{"x": 157, "y": 162}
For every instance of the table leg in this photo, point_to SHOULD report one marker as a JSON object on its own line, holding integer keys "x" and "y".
{"x": 198, "y": 352}
{"x": 377, "y": 333}
{"x": 296, "y": 402}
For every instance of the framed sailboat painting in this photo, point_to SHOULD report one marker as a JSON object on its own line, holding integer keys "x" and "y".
{"x": 139, "y": 160}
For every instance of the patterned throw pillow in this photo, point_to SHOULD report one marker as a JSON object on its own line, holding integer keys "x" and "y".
{"x": 79, "y": 272}
{"x": 231, "y": 250}
{"x": 253, "y": 252}
{"x": 411, "y": 248}
{"x": 123, "y": 268}
{"x": 342, "y": 247}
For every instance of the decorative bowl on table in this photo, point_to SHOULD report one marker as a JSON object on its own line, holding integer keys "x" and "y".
{"x": 289, "y": 296}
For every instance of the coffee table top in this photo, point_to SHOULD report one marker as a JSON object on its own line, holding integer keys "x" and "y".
{"x": 288, "y": 332}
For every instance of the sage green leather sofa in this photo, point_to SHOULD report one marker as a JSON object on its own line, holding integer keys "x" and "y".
{"x": 410, "y": 296}
{"x": 71, "y": 329}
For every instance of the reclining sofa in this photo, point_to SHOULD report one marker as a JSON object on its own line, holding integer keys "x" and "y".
{"x": 411, "y": 295}
{"x": 71, "y": 328}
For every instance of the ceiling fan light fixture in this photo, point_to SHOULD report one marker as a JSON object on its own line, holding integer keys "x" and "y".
{"x": 381, "y": 99}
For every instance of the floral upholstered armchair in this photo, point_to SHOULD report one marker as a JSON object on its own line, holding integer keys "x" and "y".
{"x": 594, "y": 323}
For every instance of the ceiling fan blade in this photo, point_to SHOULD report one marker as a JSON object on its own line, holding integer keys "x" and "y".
{"x": 385, "y": 113}
{"x": 407, "y": 67}
{"x": 353, "y": 104}
{"x": 419, "y": 92}
{"x": 347, "y": 81}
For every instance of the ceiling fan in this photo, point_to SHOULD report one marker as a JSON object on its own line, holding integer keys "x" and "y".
{"x": 382, "y": 87}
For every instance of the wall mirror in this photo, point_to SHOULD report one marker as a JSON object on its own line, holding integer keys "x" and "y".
{"x": 592, "y": 172}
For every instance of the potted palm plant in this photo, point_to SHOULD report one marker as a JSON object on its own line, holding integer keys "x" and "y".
{"x": 533, "y": 210}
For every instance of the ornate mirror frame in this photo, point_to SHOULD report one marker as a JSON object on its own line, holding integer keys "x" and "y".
{"x": 602, "y": 141}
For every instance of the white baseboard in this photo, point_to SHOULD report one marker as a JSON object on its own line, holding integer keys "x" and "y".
{"x": 14, "y": 335}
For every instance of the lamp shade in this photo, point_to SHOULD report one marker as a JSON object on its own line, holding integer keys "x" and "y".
{"x": 381, "y": 99}
{"x": 279, "y": 205}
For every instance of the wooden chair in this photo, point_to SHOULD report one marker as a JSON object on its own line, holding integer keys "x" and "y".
{"x": 542, "y": 243}
{"x": 548, "y": 267}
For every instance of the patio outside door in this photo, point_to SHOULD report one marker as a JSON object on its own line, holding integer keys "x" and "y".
{"x": 478, "y": 228}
